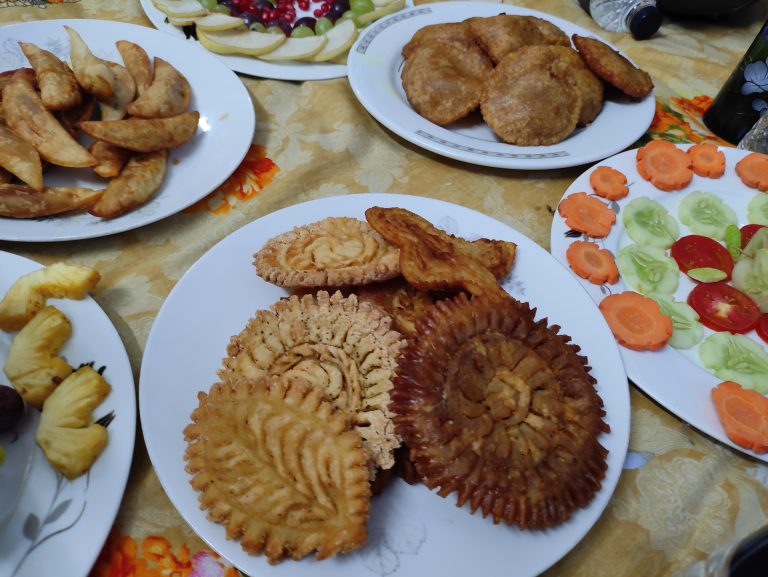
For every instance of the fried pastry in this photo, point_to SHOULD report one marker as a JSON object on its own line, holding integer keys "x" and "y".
{"x": 58, "y": 88}
{"x": 612, "y": 67}
{"x": 342, "y": 347}
{"x": 550, "y": 34}
{"x": 456, "y": 33}
{"x": 279, "y": 468}
{"x": 502, "y": 410}
{"x": 331, "y": 252}
{"x": 402, "y": 302}
{"x": 443, "y": 81}
{"x": 505, "y": 33}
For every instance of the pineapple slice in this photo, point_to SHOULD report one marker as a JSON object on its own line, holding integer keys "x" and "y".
{"x": 27, "y": 295}
{"x": 34, "y": 366}
{"x": 67, "y": 434}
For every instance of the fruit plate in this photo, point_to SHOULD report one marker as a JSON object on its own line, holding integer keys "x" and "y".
{"x": 224, "y": 134}
{"x": 251, "y": 65}
{"x": 675, "y": 378}
{"x": 375, "y": 64}
{"x": 59, "y": 526}
{"x": 411, "y": 531}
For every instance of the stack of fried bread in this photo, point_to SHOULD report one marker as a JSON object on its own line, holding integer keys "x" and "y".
{"x": 531, "y": 85}
{"x": 141, "y": 111}
{"x": 397, "y": 336}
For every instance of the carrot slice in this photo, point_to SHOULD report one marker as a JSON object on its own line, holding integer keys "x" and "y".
{"x": 753, "y": 170}
{"x": 591, "y": 262}
{"x": 636, "y": 321}
{"x": 707, "y": 160}
{"x": 609, "y": 183}
{"x": 743, "y": 414}
{"x": 664, "y": 165}
{"x": 587, "y": 214}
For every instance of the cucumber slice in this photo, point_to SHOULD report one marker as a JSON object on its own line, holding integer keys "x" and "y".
{"x": 757, "y": 209}
{"x": 736, "y": 358}
{"x": 686, "y": 328}
{"x": 759, "y": 240}
{"x": 706, "y": 214}
{"x": 750, "y": 275}
{"x": 648, "y": 222}
{"x": 648, "y": 269}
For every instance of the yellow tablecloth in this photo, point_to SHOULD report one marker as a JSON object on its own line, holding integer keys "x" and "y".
{"x": 682, "y": 495}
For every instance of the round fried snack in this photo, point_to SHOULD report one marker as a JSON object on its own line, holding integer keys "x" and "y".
{"x": 279, "y": 468}
{"x": 505, "y": 33}
{"x": 443, "y": 81}
{"x": 550, "y": 33}
{"x": 332, "y": 252}
{"x": 457, "y": 33}
{"x": 612, "y": 67}
{"x": 501, "y": 409}
{"x": 400, "y": 300}
{"x": 340, "y": 346}
{"x": 530, "y": 106}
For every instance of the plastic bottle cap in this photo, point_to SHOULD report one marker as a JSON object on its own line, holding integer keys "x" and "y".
{"x": 645, "y": 22}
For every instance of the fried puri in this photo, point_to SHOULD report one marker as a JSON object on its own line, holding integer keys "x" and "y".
{"x": 612, "y": 67}
{"x": 505, "y": 33}
{"x": 456, "y": 33}
{"x": 443, "y": 81}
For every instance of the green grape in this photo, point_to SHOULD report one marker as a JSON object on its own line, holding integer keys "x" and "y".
{"x": 361, "y": 6}
{"x": 220, "y": 8}
{"x": 323, "y": 25}
{"x": 302, "y": 32}
{"x": 275, "y": 30}
{"x": 258, "y": 27}
{"x": 208, "y": 4}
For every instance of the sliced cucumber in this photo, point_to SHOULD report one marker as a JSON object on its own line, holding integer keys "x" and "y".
{"x": 759, "y": 240}
{"x": 736, "y": 358}
{"x": 648, "y": 269}
{"x": 757, "y": 209}
{"x": 648, "y": 222}
{"x": 706, "y": 214}
{"x": 750, "y": 275}
{"x": 686, "y": 328}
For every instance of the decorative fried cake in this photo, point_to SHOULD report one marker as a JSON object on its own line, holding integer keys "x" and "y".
{"x": 500, "y": 409}
{"x": 339, "y": 345}
{"x": 612, "y": 67}
{"x": 331, "y": 252}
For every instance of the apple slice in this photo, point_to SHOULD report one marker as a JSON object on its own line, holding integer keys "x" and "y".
{"x": 340, "y": 38}
{"x": 180, "y": 8}
{"x": 240, "y": 41}
{"x": 297, "y": 48}
{"x": 216, "y": 21}
{"x": 388, "y": 8}
{"x": 184, "y": 21}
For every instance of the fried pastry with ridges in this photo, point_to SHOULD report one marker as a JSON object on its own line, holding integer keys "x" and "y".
{"x": 279, "y": 468}
{"x": 529, "y": 106}
{"x": 168, "y": 94}
{"x": 59, "y": 89}
{"x": 443, "y": 81}
{"x": 457, "y": 33}
{"x": 18, "y": 201}
{"x": 403, "y": 303}
{"x": 143, "y": 134}
{"x": 612, "y": 67}
{"x": 331, "y": 252}
{"x": 499, "y": 35}
{"x": 502, "y": 410}
{"x": 341, "y": 346}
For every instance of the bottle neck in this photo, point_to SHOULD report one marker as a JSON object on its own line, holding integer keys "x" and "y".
{"x": 633, "y": 9}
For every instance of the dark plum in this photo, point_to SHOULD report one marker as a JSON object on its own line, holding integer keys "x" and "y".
{"x": 11, "y": 408}
{"x": 307, "y": 21}
{"x": 283, "y": 25}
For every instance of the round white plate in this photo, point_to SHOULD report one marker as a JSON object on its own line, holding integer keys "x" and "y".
{"x": 253, "y": 66}
{"x": 411, "y": 531}
{"x": 224, "y": 133}
{"x": 674, "y": 378}
{"x": 59, "y": 526}
{"x": 375, "y": 63}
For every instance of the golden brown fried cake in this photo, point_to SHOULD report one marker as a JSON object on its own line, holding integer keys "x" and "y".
{"x": 457, "y": 33}
{"x": 279, "y": 468}
{"x": 550, "y": 33}
{"x": 500, "y": 409}
{"x": 400, "y": 301}
{"x": 340, "y": 346}
{"x": 332, "y": 252}
{"x": 505, "y": 33}
{"x": 612, "y": 67}
{"x": 530, "y": 106}
{"x": 443, "y": 81}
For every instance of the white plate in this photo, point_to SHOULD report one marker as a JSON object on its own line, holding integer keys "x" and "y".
{"x": 224, "y": 134}
{"x": 59, "y": 526}
{"x": 411, "y": 531}
{"x": 674, "y": 378}
{"x": 375, "y": 63}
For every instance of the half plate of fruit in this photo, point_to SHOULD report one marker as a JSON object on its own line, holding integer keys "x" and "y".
{"x": 280, "y": 39}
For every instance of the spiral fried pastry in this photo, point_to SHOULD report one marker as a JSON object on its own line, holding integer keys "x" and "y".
{"x": 279, "y": 467}
{"x": 502, "y": 410}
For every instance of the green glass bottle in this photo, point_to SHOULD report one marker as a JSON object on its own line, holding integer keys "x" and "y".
{"x": 744, "y": 96}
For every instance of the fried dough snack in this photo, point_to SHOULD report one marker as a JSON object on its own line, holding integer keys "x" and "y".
{"x": 342, "y": 347}
{"x": 332, "y": 252}
{"x": 137, "y": 63}
{"x": 168, "y": 94}
{"x": 550, "y": 33}
{"x": 400, "y": 301}
{"x": 457, "y": 33}
{"x": 500, "y": 409}
{"x": 143, "y": 134}
{"x": 505, "y": 33}
{"x": 17, "y": 201}
{"x": 20, "y": 158}
{"x": 58, "y": 87}
{"x": 612, "y": 67}
{"x": 279, "y": 467}
{"x": 443, "y": 81}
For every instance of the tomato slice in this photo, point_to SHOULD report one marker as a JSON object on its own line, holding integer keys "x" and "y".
{"x": 748, "y": 231}
{"x": 722, "y": 307}
{"x": 762, "y": 327}
{"x": 697, "y": 251}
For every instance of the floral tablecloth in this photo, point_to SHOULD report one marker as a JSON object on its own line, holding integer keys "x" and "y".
{"x": 681, "y": 495}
